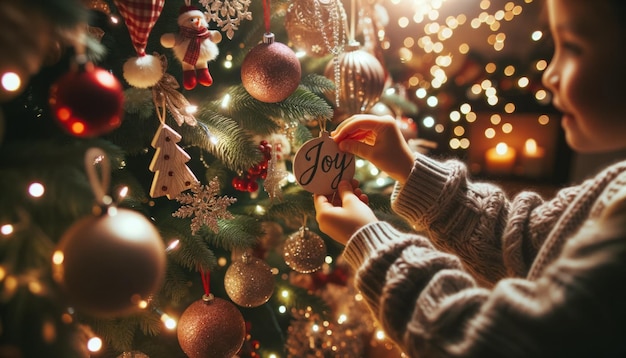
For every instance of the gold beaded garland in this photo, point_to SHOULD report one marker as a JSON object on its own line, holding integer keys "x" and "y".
{"x": 361, "y": 80}
{"x": 312, "y": 24}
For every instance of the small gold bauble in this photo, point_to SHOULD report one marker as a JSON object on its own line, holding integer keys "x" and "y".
{"x": 304, "y": 251}
{"x": 249, "y": 282}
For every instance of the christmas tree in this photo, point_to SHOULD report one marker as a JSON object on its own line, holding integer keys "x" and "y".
{"x": 149, "y": 203}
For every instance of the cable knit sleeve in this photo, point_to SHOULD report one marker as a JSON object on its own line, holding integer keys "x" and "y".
{"x": 493, "y": 236}
{"x": 432, "y": 307}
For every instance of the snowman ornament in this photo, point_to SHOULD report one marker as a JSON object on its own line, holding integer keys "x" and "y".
{"x": 194, "y": 46}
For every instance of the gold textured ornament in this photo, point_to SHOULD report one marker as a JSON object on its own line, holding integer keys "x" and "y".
{"x": 211, "y": 327}
{"x": 316, "y": 26}
{"x": 361, "y": 80}
{"x": 249, "y": 282}
{"x": 304, "y": 251}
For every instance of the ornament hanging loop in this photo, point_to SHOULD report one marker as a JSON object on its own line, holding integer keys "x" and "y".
{"x": 99, "y": 184}
{"x": 268, "y": 38}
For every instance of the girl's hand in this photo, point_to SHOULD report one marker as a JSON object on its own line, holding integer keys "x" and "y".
{"x": 378, "y": 140}
{"x": 340, "y": 215}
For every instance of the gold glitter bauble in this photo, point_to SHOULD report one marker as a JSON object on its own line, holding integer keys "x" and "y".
{"x": 309, "y": 25}
{"x": 249, "y": 282}
{"x": 361, "y": 80}
{"x": 271, "y": 71}
{"x": 304, "y": 251}
{"x": 211, "y": 327}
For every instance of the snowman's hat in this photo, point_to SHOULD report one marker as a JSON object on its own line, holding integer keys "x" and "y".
{"x": 187, "y": 12}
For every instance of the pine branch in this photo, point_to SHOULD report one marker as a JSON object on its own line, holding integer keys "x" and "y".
{"x": 300, "y": 107}
{"x": 193, "y": 254}
{"x": 301, "y": 134}
{"x": 242, "y": 232}
{"x": 118, "y": 333}
{"x": 319, "y": 85}
{"x": 296, "y": 205}
{"x": 223, "y": 138}
{"x": 175, "y": 288}
{"x": 149, "y": 323}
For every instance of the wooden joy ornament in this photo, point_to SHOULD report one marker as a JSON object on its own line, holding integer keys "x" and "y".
{"x": 319, "y": 165}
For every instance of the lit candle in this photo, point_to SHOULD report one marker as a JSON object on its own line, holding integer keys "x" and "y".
{"x": 500, "y": 159}
{"x": 533, "y": 159}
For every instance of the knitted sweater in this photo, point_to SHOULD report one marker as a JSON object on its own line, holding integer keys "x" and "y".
{"x": 493, "y": 277}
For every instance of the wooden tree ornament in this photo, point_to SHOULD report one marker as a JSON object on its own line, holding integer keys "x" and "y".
{"x": 171, "y": 173}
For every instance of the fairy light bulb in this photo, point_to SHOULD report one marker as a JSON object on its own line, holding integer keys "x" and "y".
{"x": 11, "y": 81}
{"x": 502, "y": 148}
{"x": 36, "y": 190}
{"x": 191, "y": 109}
{"x": 94, "y": 344}
{"x": 6, "y": 229}
{"x": 169, "y": 322}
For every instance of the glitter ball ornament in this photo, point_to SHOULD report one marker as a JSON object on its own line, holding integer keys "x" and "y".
{"x": 249, "y": 281}
{"x": 87, "y": 102}
{"x": 270, "y": 72}
{"x": 361, "y": 80}
{"x": 107, "y": 265}
{"x": 304, "y": 251}
{"x": 211, "y": 327}
{"x": 316, "y": 26}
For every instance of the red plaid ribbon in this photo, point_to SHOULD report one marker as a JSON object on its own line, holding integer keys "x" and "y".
{"x": 140, "y": 16}
{"x": 195, "y": 36}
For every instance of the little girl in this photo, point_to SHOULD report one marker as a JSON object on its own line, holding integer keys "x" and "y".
{"x": 493, "y": 277}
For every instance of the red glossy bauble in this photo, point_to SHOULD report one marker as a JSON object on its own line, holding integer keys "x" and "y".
{"x": 271, "y": 71}
{"x": 88, "y": 102}
{"x": 108, "y": 264}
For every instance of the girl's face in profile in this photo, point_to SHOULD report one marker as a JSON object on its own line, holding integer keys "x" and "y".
{"x": 587, "y": 74}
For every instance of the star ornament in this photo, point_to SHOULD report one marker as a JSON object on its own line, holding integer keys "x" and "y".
{"x": 204, "y": 205}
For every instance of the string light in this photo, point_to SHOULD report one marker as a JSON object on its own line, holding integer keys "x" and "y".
{"x": 94, "y": 344}
{"x": 6, "y": 229}
{"x": 11, "y": 81}
{"x": 36, "y": 190}
{"x": 226, "y": 101}
{"x": 169, "y": 322}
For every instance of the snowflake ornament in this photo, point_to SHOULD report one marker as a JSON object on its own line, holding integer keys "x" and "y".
{"x": 204, "y": 205}
{"x": 227, "y": 14}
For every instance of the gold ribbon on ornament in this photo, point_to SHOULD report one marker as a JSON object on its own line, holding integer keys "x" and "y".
{"x": 165, "y": 95}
